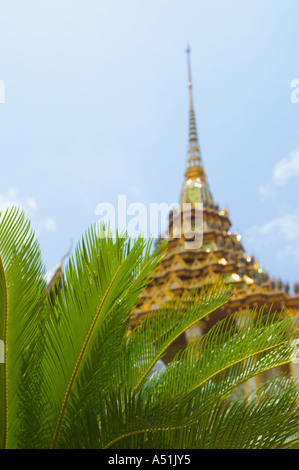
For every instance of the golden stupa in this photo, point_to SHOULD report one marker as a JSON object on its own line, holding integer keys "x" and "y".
{"x": 221, "y": 254}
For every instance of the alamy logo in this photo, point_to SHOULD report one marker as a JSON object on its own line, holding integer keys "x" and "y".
{"x": 295, "y": 93}
{"x": 187, "y": 220}
{"x": 2, "y": 92}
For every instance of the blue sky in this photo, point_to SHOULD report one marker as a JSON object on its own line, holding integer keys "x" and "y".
{"x": 96, "y": 105}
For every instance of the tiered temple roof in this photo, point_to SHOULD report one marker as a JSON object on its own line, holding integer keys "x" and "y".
{"x": 220, "y": 254}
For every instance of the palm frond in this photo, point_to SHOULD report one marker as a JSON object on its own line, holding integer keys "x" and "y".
{"x": 22, "y": 289}
{"x": 150, "y": 340}
{"x": 75, "y": 376}
{"x": 101, "y": 285}
{"x": 207, "y": 372}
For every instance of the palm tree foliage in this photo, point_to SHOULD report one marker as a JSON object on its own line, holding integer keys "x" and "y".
{"x": 76, "y": 376}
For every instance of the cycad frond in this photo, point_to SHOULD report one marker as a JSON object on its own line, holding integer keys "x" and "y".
{"x": 75, "y": 376}
{"x": 150, "y": 340}
{"x": 206, "y": 373}
{"x": 267, "y": 419}
{"x": 101, "y": 288}
{"x": 229, "y": 355}
{"x": 22, "y": 289}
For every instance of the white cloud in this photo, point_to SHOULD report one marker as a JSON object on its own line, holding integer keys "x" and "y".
{"x": 41, "y": 225}
{"x": 50, "y": 224}
{"x": 286, "y": 168}
{"x": 286, "y": 227}
{"x": 11, "y": 198}
{"x": 29, "y": 206}
{"x": 283, "y": 171}
{"x": 267, "y": 192}
{"x": 279, "y": 236}
{"x": 32, "y": 203}
{"x": 281, "y": 233}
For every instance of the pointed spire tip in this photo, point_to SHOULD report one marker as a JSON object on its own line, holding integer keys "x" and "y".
{"x": 189, "y": 76}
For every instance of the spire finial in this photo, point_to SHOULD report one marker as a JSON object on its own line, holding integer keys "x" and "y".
{"x": 195, "y": 188}
{"x": 188, "y": 50}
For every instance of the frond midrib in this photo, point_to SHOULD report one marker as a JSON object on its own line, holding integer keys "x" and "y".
{"x": 5, "y": 391}
{"x": 171, "y": 340}
{"x": 239, "y": 361}
{"x": 78, "y": 363}
{"x": 172, "y": 428}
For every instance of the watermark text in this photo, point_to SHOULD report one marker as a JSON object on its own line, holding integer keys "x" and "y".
{"x": 137, "y": 219}
{"x": 295, "y": 92}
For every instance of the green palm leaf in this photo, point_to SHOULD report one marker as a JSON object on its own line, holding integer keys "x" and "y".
{"x": 22, "y": 289}
{"x": 101, "y": 285}
{"x": 76, "y": 376}
{"x": 206, "y": 373}
{"x": 150, "y": 340}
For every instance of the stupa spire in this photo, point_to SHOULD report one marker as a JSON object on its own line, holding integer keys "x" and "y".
{"x": 194, "y": 157}
{"x": 195, "y": 177}
{"x": 188, "y": 50}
